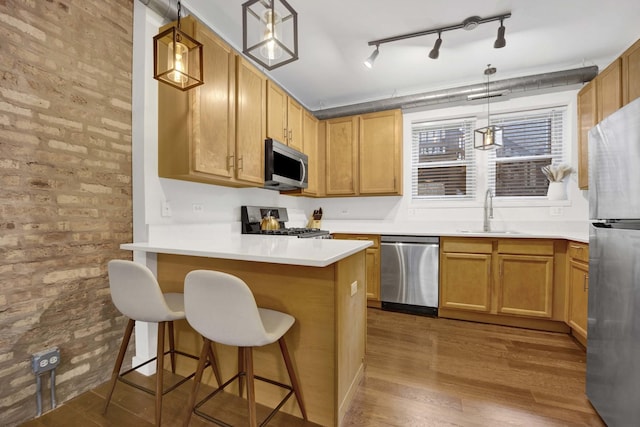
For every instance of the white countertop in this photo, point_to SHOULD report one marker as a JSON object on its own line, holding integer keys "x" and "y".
{"x": 427, "y": 229}
{"x": 271, "y": 249}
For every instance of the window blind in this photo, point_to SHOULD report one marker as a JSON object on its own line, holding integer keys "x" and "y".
{"x": 531, "y": 140}
{"x": 442, "y": 159}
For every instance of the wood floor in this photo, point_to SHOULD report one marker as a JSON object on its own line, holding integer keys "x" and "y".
{"x": 420, "y": 372}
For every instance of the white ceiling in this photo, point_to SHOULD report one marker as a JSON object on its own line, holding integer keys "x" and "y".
{"x": 542, "y": 36}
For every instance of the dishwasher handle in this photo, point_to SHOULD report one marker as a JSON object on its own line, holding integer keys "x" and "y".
{"x": 429, "y": 240}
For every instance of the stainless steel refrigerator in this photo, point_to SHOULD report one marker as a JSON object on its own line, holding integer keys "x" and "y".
{"x": 613, "y": 347}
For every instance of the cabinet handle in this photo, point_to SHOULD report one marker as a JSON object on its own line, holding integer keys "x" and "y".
{"x": 585, "y": 285}
{"x": 240, "y": 163}
{"x": 290, "y": 137}
{"x": 285, "y": 133}
{"x": 230, "y": 162}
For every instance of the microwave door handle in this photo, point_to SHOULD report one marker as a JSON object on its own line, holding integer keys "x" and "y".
{"x": 304, "y": 171}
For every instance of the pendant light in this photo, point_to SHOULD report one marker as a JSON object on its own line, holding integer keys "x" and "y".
{"x": 177, "y": 58}
{"x": 489, "y": 136}
{"x": 269, "y": 32}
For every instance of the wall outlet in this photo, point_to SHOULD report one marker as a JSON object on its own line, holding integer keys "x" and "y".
{"x": 198, "y": 208}
{"x": 354, "y": 288}
{"x": 45, "y": 360}
{"x": 555, "y": 210}
{"x": 166, "y": 209}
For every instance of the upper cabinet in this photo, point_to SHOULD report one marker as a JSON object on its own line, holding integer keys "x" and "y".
{"x": 631, "y": 73}
{"x": 284, "y": 117}
{"x": 615, "y": 86}
{"x": 310, "y": 146}
{"x": 364, "y": 154}
{"x": 380, "y": 153}
{"x": 197, "y": 128}
{"x": 251, "y": 127}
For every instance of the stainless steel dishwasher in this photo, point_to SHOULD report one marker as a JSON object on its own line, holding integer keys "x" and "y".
{"x": 409, "y": 274}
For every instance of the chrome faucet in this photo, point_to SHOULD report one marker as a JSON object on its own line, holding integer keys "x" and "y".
{"x": 488, "y": 209}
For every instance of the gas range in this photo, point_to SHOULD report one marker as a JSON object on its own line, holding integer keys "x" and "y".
{"x": 251, "y": 216}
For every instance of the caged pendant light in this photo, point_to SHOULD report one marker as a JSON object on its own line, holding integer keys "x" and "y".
{"x": 269, "y": 32}
{"x": 489, "y": 136}
{"x": 177, "y": 58}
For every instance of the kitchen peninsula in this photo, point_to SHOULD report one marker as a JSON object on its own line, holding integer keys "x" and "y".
{"x": 319, "y": 282}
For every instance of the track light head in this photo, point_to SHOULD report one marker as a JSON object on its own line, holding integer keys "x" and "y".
{"x": 435, "y": 52}
{"x": 371, "y": 59}
{"x": 500, "y": 41}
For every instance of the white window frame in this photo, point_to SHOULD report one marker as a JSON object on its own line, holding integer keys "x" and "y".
{"x": 559, "y": 125}
{"x": 469, "y": 162}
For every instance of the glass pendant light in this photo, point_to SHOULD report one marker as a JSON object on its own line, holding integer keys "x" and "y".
{"x": 177, "y": 58}
{"x": 489, "y": 136}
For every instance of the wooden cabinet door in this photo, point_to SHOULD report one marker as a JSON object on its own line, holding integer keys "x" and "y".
{"x": 609, "y": 90}
{"x": 631, "y": 73}
{"x": 311, "y": 149}
{"x": 213, "y": 108}
{"x": 578, "y": 296}
{"x": 465, "y": 281}
{"x": 373, "y": 273}
{"x": 525, "y": 285}
{"x": 587, "y": 118}
{"x": 341, "y": 156}
{"x": 380, "y": 153}
{"x": 294, "y": 124}
{"x": 276, "y": 113}
{"x": 251, "y": 129}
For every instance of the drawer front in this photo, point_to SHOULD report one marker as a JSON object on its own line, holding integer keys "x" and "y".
{"x": 579, "y": 251}
{"x": 525, "y": 246}
{"x": 467, "y": 245}
{"x": 372, "y": 237}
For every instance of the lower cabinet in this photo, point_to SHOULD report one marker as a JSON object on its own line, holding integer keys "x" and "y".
{"x": 504, "y": 281}
{"x": 578, "y": 290}
{"x": 372, "y": 265}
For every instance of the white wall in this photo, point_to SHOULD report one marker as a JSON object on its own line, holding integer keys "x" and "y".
{"x": 222, "y": 204}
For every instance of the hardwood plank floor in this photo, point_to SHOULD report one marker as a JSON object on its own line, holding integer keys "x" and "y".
{"x": 420, "y": 372}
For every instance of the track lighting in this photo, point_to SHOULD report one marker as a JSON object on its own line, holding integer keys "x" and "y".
{"x": 371, "y": 59}
{"x": 468, "y": 24}
{"x": 500, "y": 41}
{"x": 435, "y": 52}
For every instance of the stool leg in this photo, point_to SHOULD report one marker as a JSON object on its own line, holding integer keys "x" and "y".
{"x": 116, "y": 369}
{"x": 196, "y": 380}
{"x": 159, "y": 372}
{"x": 292, "y": 376}
{"x": 172, "y": 348}
{"x": 241, "y": 368}
{"x": 251, "y": 393}
{"x": 214, "y": 364}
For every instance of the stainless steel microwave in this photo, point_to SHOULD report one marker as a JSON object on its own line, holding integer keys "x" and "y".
{"x": 285, "y": 168}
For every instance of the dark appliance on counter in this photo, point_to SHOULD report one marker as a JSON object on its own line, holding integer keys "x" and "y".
{"x": 285, "y": 169}
{"x": 613, "y": 319}
{"x": 409, "y": 274}
{"x": 251, "y": 218}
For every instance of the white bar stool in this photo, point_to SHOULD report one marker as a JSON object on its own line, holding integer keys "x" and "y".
{"x": 136, "y": 294}
{"x": 221, "y": 307}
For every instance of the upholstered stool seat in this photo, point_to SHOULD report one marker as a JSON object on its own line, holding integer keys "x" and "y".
{"x": 136, "y": 294}
{"x": 221, "y": 307}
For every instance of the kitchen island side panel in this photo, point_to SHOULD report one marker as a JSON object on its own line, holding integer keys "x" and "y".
{"x": 310, "y": 294}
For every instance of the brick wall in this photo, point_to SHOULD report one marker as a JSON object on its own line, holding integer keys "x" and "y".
{"x": 65, "y": 190}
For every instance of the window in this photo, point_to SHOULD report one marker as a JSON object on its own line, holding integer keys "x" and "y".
{"x": 443, "y": 164}
{"x": 531, "y": 140}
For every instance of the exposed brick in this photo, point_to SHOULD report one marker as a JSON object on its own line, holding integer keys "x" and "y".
{"x": 65, "y": 190}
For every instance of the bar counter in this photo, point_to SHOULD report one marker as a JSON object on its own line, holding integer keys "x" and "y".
{"x": 319, "y": 282}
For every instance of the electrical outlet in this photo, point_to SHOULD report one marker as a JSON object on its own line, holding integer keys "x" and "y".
{"x": 354, "y": 288}
{"x": 166, "y": 209}
{"x": 198, "y": 208}
{"x": 555, "y": 210}
{"x": 45, "y": 360}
